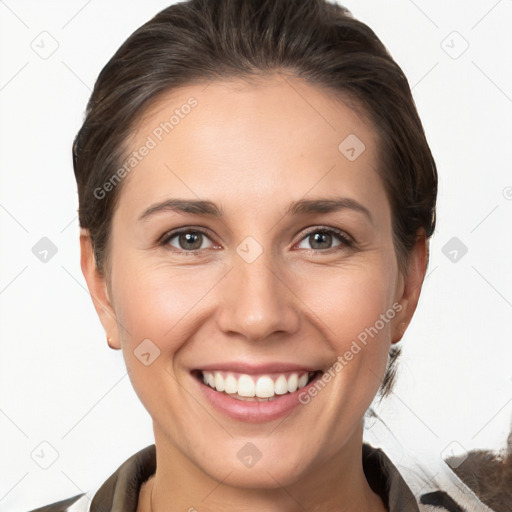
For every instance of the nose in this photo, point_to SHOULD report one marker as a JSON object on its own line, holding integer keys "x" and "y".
{"x": 257, "y": 301}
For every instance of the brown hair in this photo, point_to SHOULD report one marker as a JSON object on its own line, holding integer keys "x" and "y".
{"x": 201, "y": 40}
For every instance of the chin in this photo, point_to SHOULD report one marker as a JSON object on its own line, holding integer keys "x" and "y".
{"x": 259, "y": 462}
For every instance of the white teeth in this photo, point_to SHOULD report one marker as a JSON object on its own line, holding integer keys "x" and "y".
{"x": 293, "y": 382}
{"x": 281, "y": 385}
{"x": 230, "y": 385}
{"x": 264, "y": 387}
{"x": 247, "y": 387}
{"x": 219, "y": 382}
{"x": 303, "y": 380}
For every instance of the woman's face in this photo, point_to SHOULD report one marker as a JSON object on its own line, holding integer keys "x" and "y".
{"x": 266, "y": 287}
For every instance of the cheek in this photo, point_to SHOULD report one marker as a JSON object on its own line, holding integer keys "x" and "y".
{"x": 152, "y": 302}
{"x": 164, "y": 303}
{"x": 167, "y": 304}
{"x": 355, "y": 312}
{"x": 153, "y": 306}
{"x": 351, "y": 298}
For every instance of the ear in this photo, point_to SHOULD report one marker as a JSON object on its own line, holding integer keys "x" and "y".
{"x": 409, "y": 290}
{"x": 98, "y": 289}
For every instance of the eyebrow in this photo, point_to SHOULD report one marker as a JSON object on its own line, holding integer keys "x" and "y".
{"x": 301, "y": 207}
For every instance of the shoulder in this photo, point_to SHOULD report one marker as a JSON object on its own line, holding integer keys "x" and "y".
{"x": 67, "y": 505}
{"x": 429, "y": 472}
{"x": 413, "y": 486}
{"x": 118, "y": 493}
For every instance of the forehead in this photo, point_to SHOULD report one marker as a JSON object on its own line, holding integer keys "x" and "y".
{"x": 260, "y": 106}
{"x": 279, "y": 133}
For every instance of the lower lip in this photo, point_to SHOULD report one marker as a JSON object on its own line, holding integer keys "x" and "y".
{"x": 254, "y": 411}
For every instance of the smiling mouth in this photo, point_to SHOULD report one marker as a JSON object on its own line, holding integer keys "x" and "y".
{"x": 256, "y": 388}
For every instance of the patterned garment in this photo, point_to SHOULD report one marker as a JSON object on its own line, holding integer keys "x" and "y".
{"x": 120, "y": 492}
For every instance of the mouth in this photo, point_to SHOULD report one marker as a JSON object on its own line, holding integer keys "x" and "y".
{"x": 262, "y": 387}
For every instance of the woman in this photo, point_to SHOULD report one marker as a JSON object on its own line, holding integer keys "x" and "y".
{"x": 256, "y": 196}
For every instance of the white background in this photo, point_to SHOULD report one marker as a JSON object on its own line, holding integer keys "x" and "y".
{"x": 59, "y": 381}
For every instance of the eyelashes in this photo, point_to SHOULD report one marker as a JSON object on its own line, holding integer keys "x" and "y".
{"x": 345, "y": 240}
{"x": 198, "y": 235}
{"x": 184, "y": 231}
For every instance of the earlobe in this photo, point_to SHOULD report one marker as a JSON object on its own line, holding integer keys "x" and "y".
{"x": 412, "y": 284}
{"x": 96, "y": 283}
{"x": 398, "y": 332}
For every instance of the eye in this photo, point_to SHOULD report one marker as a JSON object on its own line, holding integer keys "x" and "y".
{"x": 188, "y": 240}
{"x": 192, "y": 240}
{"x": 321, "y": 239}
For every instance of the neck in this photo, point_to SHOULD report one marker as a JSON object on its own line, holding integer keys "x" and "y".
{"x": 340, "y": 485}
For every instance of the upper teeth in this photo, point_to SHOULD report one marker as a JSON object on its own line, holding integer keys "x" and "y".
{"x": 261, "y": 387}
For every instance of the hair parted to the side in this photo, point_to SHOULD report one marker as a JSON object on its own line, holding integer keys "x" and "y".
{"x": 202, "y": 40}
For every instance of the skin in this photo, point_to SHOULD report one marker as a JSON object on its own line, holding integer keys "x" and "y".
{"x": 252, "y": 149}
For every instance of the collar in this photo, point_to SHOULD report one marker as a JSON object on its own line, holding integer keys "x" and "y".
{"x": 120, "y": 492}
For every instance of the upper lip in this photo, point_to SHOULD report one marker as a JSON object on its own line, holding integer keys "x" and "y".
{"x": 254, "y": 369}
